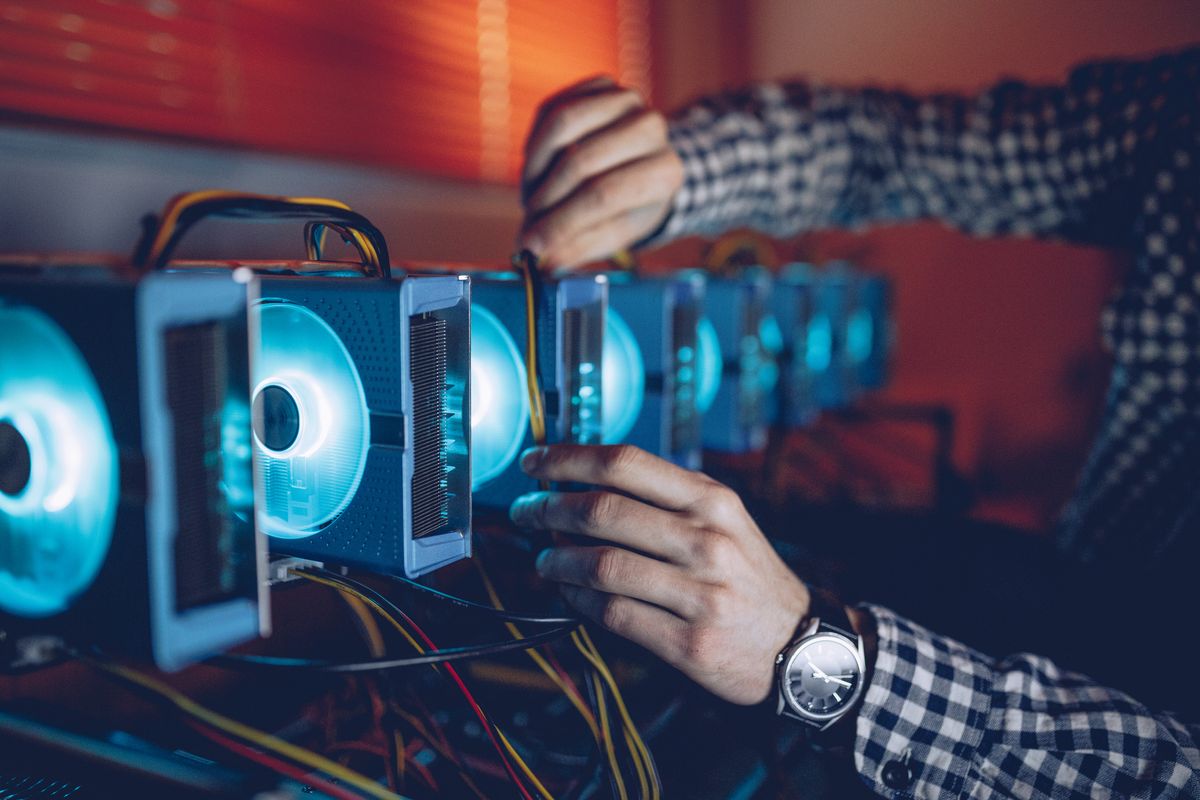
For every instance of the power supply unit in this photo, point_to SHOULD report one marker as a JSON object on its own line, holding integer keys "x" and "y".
{"x": 736, "y": 409}
{"x": 570, "y": 335}
{"x": 126, "y": 486}
{"x": 650, "y": 367}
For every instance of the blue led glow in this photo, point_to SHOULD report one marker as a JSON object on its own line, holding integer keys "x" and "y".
{"x": 499, "y": 397}
{"x": 310, "y": 482}
{"x": 860, "y": 335}
{"x": 709, "y": 364}
{"x": 624, "y": 376}
{"x": 818, "y": 346}
{"x": 55, "y": 532}
{"x": 237, "y": 477}
{"x": 770, "y": 336}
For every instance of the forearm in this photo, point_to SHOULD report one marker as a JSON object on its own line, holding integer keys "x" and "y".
{"x": 1021, "y": 159}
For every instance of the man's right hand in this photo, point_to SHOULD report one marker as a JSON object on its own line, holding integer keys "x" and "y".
{"x": 600, "y": 174}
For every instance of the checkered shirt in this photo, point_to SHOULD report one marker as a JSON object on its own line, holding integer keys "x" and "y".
{"x": 1109, "y": 158}
{"x": 940, "y": 720}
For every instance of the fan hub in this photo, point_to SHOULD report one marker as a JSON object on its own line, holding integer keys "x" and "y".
{"x": 276, "y": 418}
{"x": 16, "y": 463}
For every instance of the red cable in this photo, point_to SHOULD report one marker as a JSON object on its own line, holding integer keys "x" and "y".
{"x": 274, "y": 764}
{"x": 483, "y": 719}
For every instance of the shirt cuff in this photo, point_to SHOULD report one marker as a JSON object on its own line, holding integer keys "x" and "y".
{"x": 683, "y": 218}
{"x": 924, "y": 714}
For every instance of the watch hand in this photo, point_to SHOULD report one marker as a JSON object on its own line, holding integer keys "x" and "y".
{"x": 847, "y": 684}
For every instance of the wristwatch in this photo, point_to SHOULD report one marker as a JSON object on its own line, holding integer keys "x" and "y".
{"x": 820, "y": 675}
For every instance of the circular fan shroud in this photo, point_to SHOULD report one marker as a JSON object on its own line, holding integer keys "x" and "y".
{"x": 624, "y": 376}
{"x": 308, "y": 484}
{"x": 499, "y": 398}
{"x": 709, "y": 364}
{"x": 55, "y": 530}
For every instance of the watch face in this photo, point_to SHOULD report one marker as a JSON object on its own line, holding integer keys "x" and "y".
{"x": 823, "y": 676}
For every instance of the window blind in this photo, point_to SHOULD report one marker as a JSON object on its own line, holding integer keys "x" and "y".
{"x": 448, "y": 87}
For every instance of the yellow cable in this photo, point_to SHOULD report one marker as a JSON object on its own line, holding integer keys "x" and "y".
{"x": 602, "y": 709}
{"x": 260, "y": 738}
{"x": 370, "y": 627}
{"x": 378, "y": 608}
{"x": 537, "y": 418}
{"x": 433, "y": 742}
{"x": 401, "y": 761}
{"x": 179, "y": 204}
{"x": 643, "y": 781}
{"x": 525, "y": 769}
{"x": 538, "y": 659}
{"x": 592, "y": 654}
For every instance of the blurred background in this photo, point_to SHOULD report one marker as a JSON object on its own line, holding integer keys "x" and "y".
{"x": 414, "y": 112}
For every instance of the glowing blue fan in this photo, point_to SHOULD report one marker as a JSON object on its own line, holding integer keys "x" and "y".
{"x": 818, "y": 349}
{"x": 624, "y": 379}
{"x": 311, "y": 425}
{"x": 860, "y": 335}
{"x": 58, "y": 467}
{"x": 499, "y": 397}
{"x": 709, "y": 364}
{"x": 770, "y": 336}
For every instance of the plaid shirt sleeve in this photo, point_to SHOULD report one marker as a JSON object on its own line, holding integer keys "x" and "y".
{"x": 940, "y": 720}
{"x": 1109, "y": 157}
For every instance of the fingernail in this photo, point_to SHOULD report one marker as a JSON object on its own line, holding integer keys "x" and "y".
{"x": 517, "y": 510}
{"x": 532, "y": 458}
{"x": 541, "y": 560}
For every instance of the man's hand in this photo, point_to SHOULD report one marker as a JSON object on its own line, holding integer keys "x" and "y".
{"x": 599, "y": 174}
{"x": 684, "y": 570}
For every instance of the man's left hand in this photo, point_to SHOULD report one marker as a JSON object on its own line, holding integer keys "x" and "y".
{"x": 683, "y": 570}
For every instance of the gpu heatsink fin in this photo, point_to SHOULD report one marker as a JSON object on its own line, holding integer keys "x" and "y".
{"x": 310, "y": 420}
{"x": 430, "y": 501}
{"x": 58, "y": 467}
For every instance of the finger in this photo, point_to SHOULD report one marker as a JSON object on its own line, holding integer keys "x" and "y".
{"x": 647, "y": 181}
{"x": 617, "y": 571}
{"x": 631, "y": 137}
{"x": 605, "y": 515}
{"x": 659, "y": 631}
{"x": 600, "y": 241}
{"x": 622, "y": 467}
{"x": 569, "y": 121}
{"x": 587, "y": 86}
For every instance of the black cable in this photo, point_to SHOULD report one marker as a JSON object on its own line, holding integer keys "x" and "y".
{"x": 507, "y": 616}
{"x": 237, "y": 661}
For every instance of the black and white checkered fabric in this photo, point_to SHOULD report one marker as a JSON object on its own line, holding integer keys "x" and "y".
{"x": 940, "y": 720}
{"x": 1110, "y": 158}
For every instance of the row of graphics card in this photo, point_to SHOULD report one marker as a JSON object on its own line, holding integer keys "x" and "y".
{"x": 163, "y": 428}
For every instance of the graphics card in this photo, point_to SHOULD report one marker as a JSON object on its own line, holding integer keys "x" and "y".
{"x": 359, "y": 406}
{"x": 650, "y": 369}
{"x": 570, "y": 337}
{"x": 870, "y": 331}
{"x": 735, "y": 408}
{"x": 126, "y": 489}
